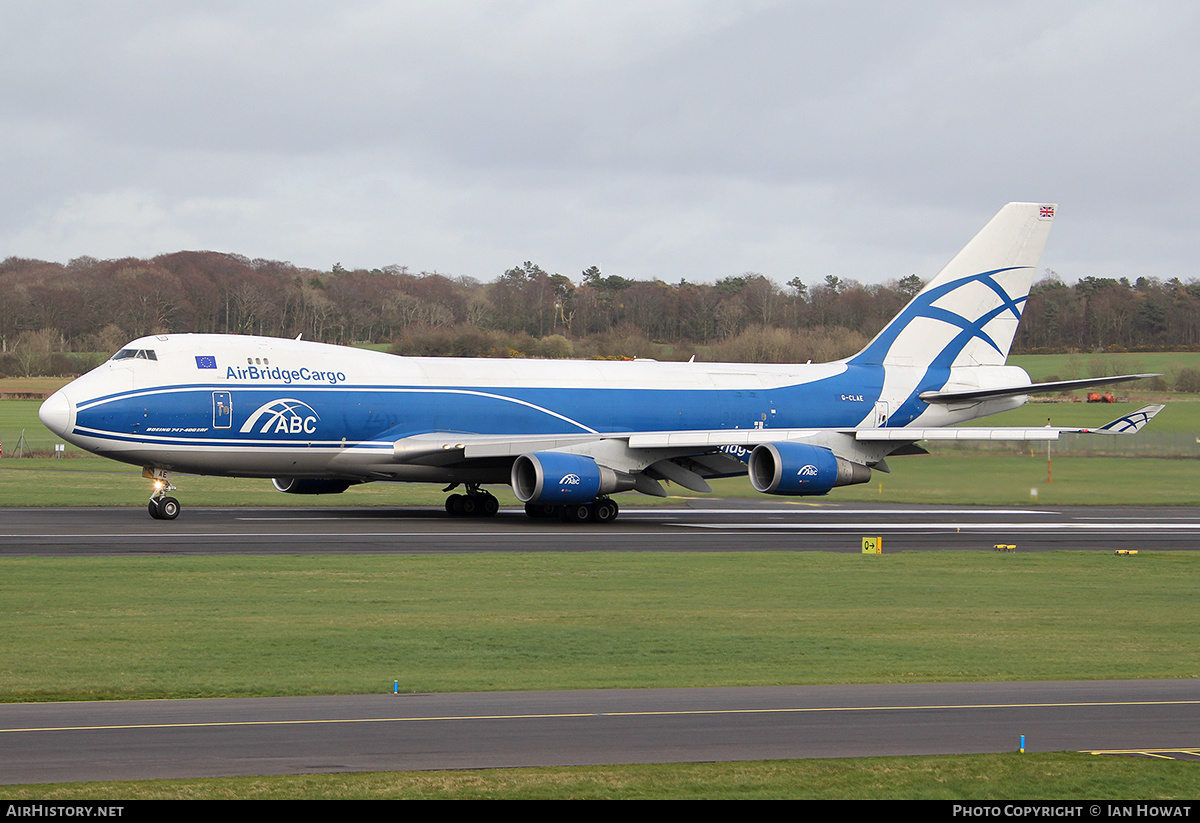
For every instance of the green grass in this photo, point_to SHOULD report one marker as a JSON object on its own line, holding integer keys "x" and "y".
{"x": 99, "y": 482}
{"x": 18, "y": 415}
{"x": 1055, "y": 776}
{"x": 951, "y": 479}
{"x": 1079, "y": 366}
{"x": 1008, "y": 480}
{"x": 168, "y": 626}
{"x": 196, "y": 626}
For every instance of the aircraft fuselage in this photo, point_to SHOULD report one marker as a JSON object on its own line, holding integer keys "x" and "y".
{"x": 264, "y": 407}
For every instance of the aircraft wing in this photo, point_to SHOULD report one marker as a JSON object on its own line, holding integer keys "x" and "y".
{"x": 476, "y": 446}
{"x": 1128, "y": 424}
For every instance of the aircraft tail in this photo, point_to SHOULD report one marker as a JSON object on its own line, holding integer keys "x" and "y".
{"x": 968, "y": 314}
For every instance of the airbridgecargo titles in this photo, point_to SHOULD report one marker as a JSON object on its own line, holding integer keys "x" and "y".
{"x": 284, "y": 376}
{"x": 568, "y": 435}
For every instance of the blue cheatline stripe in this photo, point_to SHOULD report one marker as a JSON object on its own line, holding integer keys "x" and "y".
{"x": 185, "y": 414}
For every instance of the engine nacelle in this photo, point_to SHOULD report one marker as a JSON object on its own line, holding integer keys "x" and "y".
{"x": 797, "y": 468}
{"x": 557, "y": 477}
{"x": 310, "y": 485}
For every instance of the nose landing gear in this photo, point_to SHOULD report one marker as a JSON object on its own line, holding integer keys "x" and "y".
{"x": 162, "y": 506}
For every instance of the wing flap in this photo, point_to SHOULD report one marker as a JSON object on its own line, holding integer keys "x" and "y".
{"x": 473, "y": 446}
{"x": 715, "y": 438}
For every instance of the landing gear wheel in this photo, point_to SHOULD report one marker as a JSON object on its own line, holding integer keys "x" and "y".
{"x": 539, "y": 511}
{"x": 475, "y": 502}
{"x": 168, "y": 508}
{"x": 577, "y": 512}
{"x": 606, "y": 511}
{"x": 164, "y": 508}
{"x": 161, "y": 507}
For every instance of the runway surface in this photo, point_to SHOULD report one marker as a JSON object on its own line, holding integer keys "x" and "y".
{"x": 197, "y": 738}
{"x": 706, "y": 525}
{"x": 207, "y": 738}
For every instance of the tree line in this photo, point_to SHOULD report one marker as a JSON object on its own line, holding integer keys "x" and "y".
{"x": 51, "y": 312}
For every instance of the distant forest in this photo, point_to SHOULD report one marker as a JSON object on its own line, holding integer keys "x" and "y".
{"x": 51, "y": 313}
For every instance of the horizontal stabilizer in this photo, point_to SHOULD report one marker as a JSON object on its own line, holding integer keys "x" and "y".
{"x": 1129, "y": 424}
{"x": 1032, "y": 388}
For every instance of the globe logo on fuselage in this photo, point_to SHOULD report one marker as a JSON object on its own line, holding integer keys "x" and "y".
{"x": 283, "y": 416}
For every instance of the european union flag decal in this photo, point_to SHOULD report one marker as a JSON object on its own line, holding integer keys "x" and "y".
{"x": 206, "y": 361}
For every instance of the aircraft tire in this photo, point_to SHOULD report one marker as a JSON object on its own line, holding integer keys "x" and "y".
{"x": 606, "y": 511}
{"x": 578, "y": 512}
{"x": 454, "y": 504}
{"x": 168, "y": 508}
{"x": 488, "y": 505}
{"x": 539, "y": 511}
{"x": 153, "y": 507}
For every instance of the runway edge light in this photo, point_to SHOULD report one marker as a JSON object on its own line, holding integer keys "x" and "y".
{"x": 872, "y": 545}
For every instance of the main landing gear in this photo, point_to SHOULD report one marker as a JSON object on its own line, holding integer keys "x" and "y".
{"x": 475, "y": 503}
{"x": 162, "y": 506}
{"x": 601, "y": 510}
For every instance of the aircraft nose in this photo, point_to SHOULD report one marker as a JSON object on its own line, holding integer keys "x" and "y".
{"x": 56, "y": 413}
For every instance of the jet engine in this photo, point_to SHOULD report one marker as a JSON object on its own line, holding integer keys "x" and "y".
{"x": 797, "y": 468}
{"x": 557, "y": 477}
{"x": 310, "y": 485}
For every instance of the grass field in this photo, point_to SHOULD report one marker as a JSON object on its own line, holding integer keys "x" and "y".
{"x": 168, "y": 626}
{"x": 1081, "y": 365}
{"x": 199, "y": 626}
{"x": 959, "y": 479}
{"x": 1058, "y": 776}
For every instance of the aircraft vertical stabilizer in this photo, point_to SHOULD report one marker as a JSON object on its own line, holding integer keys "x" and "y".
{"x": 968, "y": 314}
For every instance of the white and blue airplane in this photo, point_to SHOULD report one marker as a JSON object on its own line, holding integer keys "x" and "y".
{"x": 568, "y": 434}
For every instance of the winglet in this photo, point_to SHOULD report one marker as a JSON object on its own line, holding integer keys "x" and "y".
{"x": 1132, "y": 422}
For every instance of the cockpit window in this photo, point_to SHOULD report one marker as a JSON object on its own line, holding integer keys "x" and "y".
{"x": 137, "y": 354}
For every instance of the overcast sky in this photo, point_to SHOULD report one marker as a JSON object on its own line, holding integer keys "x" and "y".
{"x": 664, "y": 139}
